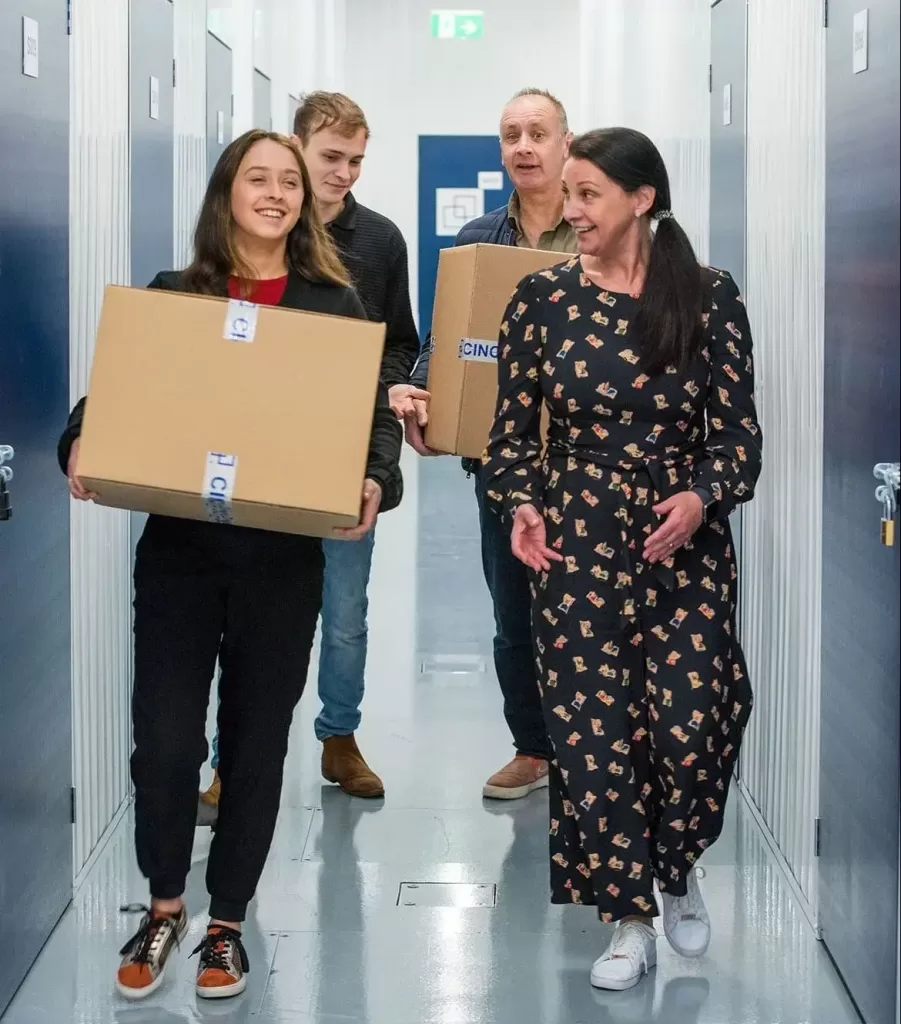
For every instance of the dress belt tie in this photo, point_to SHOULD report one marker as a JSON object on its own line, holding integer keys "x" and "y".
{"x": 667, "y": 476}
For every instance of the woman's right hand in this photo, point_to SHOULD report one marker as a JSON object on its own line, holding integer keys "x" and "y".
{"x": 75, "y": 489}
{"x": 529, "y": 540}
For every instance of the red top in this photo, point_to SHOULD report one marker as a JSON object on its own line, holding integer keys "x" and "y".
{"x": 264, "y": 293}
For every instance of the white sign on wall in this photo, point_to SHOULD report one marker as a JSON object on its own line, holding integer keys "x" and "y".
{"x": 220, "y": 127}
{"x": 491, "y": 181}
{"x": 154, "y": 99}
{"x": 455, "y": 208}
{"x": 861, "y": 41}
{"x": 29, "y": 47}
{"x": 727, "y": 104}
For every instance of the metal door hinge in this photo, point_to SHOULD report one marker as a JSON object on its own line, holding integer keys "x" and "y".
{"x": 816, "y": 837}
{"x": 710, "y": 78}
{"x": 68, "y": 17}
{"x": 173, "y": 72}
{"x": 72, "y": 805}
{"x": 825, "y": 13}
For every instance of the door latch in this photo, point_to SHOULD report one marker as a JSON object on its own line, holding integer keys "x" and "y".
{"x": 889, "y": 476}
{"x": 6, "y": 474}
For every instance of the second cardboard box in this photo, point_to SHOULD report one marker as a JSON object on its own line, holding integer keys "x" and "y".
{"x": 475, "y": 283}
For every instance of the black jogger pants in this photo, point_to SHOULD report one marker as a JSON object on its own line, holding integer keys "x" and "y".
{"x": 252, "y": 599}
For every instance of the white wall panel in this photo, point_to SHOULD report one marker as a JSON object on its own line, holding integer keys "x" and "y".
{"x": 644, "y": 65}
{"x": 190, "y": 122}
{"x": 101, "y": 556}
{"x": 410, "y": 84}
{"x": 782, "y": 528}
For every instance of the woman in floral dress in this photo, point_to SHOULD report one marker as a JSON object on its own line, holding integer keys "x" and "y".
{"x": 643, "y": 357}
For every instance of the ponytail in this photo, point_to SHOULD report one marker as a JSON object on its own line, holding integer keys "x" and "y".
{"x": 668, "y": 324}
{"x": 671, "y": 304}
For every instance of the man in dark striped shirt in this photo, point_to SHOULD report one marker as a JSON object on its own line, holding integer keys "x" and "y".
{"x": 332, "y": 133}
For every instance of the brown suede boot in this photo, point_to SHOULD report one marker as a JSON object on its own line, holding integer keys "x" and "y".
{"x": 208, "y": 803}
{"x": 343, "y": 763}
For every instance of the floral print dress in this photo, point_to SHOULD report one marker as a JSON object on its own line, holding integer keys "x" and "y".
{"x": 643, "y": 681}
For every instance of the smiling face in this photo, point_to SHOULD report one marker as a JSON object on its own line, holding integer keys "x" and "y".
{"x": 335, "y": 162}
{"x": 267, "y": 192}
{"x": 601, "y": 211}
{"x": 533, "y": 143}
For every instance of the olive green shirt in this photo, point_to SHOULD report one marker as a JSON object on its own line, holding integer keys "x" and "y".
{"x": 562, "y": 238}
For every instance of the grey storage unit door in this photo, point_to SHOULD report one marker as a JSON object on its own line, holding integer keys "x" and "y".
{"x": 728, "y": 137}
{"x": 218, "y": 99}
{"x": 262, "y": 101}
{"x": 152, "y": 114}
{"x": 35, "y": 661}
{"x": 859, "y": 785}
{"x": 728, "y": 153}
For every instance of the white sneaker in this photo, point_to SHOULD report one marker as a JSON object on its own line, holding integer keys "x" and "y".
{"x": 685, "y": 920}
{"x": 631, "y": 954}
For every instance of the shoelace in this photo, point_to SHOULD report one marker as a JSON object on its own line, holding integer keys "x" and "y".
{"x": 628, "y": 942}
{"x": 690, "y": 906}
{"x": 217, "y": 951}
{"x": 142, "y": 946}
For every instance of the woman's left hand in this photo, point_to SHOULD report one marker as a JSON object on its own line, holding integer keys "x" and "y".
{"x": 372, "y": 500}
{"x": 682, "y": 514}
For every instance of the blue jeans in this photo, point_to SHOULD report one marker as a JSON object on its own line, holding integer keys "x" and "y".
{"x": 345, "y": 631}
{"x": 514, "y": 659}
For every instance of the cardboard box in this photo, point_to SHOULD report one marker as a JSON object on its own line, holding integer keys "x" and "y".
{"x": 475, "y": 283}
{"x": 205, "y": 408}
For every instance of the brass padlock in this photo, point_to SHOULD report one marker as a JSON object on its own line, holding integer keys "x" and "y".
{"x": 888, "y": 532}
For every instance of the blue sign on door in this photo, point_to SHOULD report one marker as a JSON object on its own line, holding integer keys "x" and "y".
{"x": 460, "y": 178}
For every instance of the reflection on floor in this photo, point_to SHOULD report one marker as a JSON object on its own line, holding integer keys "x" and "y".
{"x": 336, "y": 937}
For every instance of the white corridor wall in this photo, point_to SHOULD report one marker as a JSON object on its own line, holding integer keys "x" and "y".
{"x": 644, "y": 64}
{"x": 410, "y": 85}
{"x": 99, "y": 254}
{"x": 782, "y": 528}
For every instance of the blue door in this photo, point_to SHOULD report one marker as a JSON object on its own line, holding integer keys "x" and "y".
{"x": 460, "y": 178}
{"x": 861, "y": 708}
{"x": 35, "y": 666}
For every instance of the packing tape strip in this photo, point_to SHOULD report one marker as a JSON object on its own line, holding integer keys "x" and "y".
{"x": 241, "y": 321}
{"x": 474, "y": 350}
{"x": 219, "y": 486}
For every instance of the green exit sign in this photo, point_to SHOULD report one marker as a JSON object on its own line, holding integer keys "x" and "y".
{"x": 457, "y": 24}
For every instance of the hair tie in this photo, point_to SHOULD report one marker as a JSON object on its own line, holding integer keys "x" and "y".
{"x": 664, "y": 215}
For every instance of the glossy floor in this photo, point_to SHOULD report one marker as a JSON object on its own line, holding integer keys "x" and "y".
{"x": 349, "y": 927}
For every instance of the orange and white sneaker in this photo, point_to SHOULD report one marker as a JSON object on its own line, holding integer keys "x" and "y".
{"x": 522, "y": 776}
{"x": 223, "y": 967}
{"x": 146, "y": 954}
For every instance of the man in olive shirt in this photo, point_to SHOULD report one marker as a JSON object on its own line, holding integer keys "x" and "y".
{"x": 534, "y": 137}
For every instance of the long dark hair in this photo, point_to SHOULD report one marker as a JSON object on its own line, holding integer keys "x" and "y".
{"x": 668, "y": 322}
{"x": 310, "y": 249}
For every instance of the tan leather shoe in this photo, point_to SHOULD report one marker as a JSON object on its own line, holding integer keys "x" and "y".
{"x": 208, "y": 803}
{"x": 518, "y": 779}
{"x": 343, "y": 764}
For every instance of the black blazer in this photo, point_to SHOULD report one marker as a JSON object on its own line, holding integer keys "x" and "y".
{"x": 311, "y": 297}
